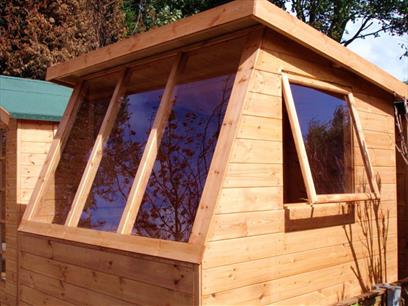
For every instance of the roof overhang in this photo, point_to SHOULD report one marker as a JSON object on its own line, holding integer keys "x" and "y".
{"x": 220, "y": 20}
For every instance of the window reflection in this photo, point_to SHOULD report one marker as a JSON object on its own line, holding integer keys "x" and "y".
{"x": 175, "y": 186}
{"x": 61, "y": 188}
{"x": 326, "y": 129}
{"x": 124, "y": 148}
{"x": 75, "y": 157}
{"x": 121, "y": 157}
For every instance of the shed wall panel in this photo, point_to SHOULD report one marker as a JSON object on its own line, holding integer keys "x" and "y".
{"x": 316, "y": 260}
{"x": 73, "y": 273}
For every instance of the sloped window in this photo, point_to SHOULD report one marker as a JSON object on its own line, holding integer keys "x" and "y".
{"x": 124, "y": 148}
{"x": 140, "y": 146}
{"x": 175, "y": 186}
{"x": 319, "y": 146}
{"x": 61, "y": 190}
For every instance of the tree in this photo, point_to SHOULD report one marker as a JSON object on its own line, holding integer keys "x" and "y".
{"x": 36, "y": 34}
{"x": 328, "y": 16}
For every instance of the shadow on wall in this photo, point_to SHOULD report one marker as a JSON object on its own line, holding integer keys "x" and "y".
{"x": 369, "y": 248}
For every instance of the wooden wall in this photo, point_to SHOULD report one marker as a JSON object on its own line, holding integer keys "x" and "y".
{"x": 64, "y": 273}
{"x": 260, "y": 252}
{"x": 27, "y": 146}
{"x": 402, "y": 197}
{"x": 35, "y": 139}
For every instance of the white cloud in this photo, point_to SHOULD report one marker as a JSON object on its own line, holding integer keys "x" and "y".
{"x": 384, "y": 51}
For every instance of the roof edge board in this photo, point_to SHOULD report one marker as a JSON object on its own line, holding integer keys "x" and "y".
{"x": 227, "y": 15}
{"x": 293, "y": 28}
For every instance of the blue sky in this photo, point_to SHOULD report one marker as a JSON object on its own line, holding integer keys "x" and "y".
{"x": 384, "y": 51}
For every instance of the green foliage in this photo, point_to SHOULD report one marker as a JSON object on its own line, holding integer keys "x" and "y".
{"x": 35, "y": 34}
{"x": 142, "y": 15}
{"x": 328, "y": 16}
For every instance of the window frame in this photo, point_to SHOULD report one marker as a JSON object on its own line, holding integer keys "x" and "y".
{"x": 312, "y": 196}
{"x": 122, "y": 239}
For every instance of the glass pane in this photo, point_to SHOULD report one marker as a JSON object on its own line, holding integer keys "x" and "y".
{"x": 294, "y": 190}
{"x": 61, "y": 190}
{"x": 176, "y": 183}
{"x": 180, "y": 171}
{"x": 326, "y": 129}
{"x": 124, "y": 148}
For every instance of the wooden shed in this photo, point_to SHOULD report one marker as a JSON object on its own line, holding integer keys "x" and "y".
{"x": 237, "y": 156}
{"x": 29, "y": 114}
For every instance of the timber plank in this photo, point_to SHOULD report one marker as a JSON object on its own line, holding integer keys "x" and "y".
{"x": 229, "y": 226}
{"x": 234, "y": 200}
{"x": 171, "y": 275}
{"x": 67, "y": 292}
{"x": 256, "y": 151}
{"x": 109, "y": 284}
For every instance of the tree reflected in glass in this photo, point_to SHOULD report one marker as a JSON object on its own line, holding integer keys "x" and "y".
{"x": 326, "y": 129}
{"x": 176, "y": 183}
{"x": 121, "y": 157}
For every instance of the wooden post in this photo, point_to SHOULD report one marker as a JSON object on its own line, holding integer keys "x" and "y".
{"x": 54, "y": 154}
{"x": 150, "y": 152}
{"x": 97, "y": 152}
{"x": 222, "y": 150}
{"x": 363, "y": 146}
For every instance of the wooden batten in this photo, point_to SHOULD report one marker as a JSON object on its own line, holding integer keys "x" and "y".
{"x": 96, "y": 154}
{"x": 55, "y": 152}
{"x": 150, "y": 153}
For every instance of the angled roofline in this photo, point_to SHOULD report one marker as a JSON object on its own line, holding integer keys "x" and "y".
{"x": 226, "y": 18}
{"x": 29, "y": 99}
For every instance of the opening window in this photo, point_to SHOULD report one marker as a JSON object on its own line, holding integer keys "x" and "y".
{"x": 322, "y": 140}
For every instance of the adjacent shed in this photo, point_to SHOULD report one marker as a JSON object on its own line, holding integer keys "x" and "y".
{"x": 29, "y": 113}
{"x": 234, "y": 157}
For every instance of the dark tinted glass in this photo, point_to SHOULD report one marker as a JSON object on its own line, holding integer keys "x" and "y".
{"x": 121, "y": 157}
{"x": 61, "y": 190}
{"x": 124, "y": 148}
{"x": 326, "y": 129}
{"x": 174, "y": 189}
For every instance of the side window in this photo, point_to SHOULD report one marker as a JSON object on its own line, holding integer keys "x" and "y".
{"x": 321, "y": 145}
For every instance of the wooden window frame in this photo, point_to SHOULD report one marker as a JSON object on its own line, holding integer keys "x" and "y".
{"x": 312, "y": 196}
{"x": 122, "y": 239}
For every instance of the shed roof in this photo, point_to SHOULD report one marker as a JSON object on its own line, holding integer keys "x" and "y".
{"x": 33, "y": 99}
{"x": 220, "y": 20}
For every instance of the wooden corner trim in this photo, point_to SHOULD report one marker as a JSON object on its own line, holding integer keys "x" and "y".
{"x": 222, "y": 151}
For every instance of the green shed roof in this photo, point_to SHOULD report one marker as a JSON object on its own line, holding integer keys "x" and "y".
{"x": 33, "y": 99}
